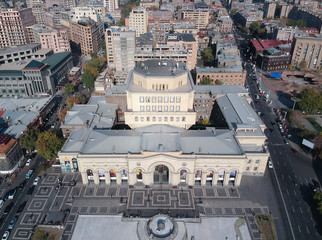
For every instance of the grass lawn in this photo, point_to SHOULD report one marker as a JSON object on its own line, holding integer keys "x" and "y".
{"x": 315, "y": 124}
{"x": 48, "y": 233}
{"x": 266, "y": 226}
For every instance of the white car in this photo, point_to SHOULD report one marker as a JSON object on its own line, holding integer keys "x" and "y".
{"x": 36, "y": 181}
{"x": 28, "y": 162}
{"x": 270, "y": 164}
{"x": 5, "y": 235}
{"x": 1, "y": 203}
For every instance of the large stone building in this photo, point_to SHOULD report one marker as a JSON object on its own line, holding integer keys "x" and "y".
{"x": 120, "y": 48}
{"x": 85, "y": 35}
{"x": 199, "y": 15}
{"x": 11, "y": 155}
{"x": 159, "y": 98}
{"x": 269, "y": 9}
{"x": 12, "y": 26}
{"x": 32, "y": 78}
{"x": 307, "y": 50}
{"x": 138, "y": 20}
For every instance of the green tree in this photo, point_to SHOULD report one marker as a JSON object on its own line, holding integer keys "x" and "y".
{"x": 311, "y": 100}
{"x": 233, "y": 12}
{"x": 204, "y": 122}
{"x": 208, "y": 57}
{"x": 218, "y": 82}
{"x": 28, "y": 139}
{"x": 303, "y": 65}
{"x": 290, "y": 67}
{"x": 69, "y": 88}
{"x": 318, "y": 200}
{"x": 88, "y": 79}
{"x": 254, "y": 27}
{"x": 48, "y": 144}
{"x": 206, "y": 81}
{"x": 101, "y": 44}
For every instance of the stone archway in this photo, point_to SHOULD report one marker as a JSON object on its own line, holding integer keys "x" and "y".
{"x": 161, "y": 174}
{"x": 232, "y": 177}
{"x": 90, "y": 176}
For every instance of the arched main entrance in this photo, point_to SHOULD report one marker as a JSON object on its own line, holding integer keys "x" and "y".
{"x": 161, "y": 175}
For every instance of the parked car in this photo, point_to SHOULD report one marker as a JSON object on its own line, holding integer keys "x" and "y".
{"x": 12, "y": 223}
{"x": 36, "y": 181}
{"x": 293, "y": 150}
{"x": 12, "y": 193}
{"x": 8, "y": 208}
{"x": 21, "y": 185}
{"x": 72, "y": 183}
{"x": 286, "y": 141}
{"x": 5, "y": 236}
{"x": 270, "y": 164}
{"x": 5, "y": 196}
{"x": 28, "y": 162}
{"x": 21, "y": 207}
{"x": 1, "y": 203}
{"x": 30, "y": 190}
{"x": 316, "y": 185}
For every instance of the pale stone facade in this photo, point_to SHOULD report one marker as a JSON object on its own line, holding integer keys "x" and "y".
{"x": 138, "y": 20}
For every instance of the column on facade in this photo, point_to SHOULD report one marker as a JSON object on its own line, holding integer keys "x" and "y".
{"x": 226, "y": 179}
{"x": 215, "y": 178}
{"x": 174, "y": 178}
{"x": 238, "y": 179}
{"x": 147, "y": 178}
{"x": 203, "y": 177}
{"x": 132, "y": 178}
{"x": 107, "y": 177}
{"x": 118, "y": 178}
{"x": 96, "y": 177}
{"x": 84, "y": 178}
{"x": 191, "y": 179}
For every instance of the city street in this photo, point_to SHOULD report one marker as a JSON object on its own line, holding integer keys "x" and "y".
{"x": 292, "y": 172}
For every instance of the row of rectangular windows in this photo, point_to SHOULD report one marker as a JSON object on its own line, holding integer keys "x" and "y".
{"x": 165, "y": 119}
{"x": 160, "y": 99}
{"x": 154, "y": 108}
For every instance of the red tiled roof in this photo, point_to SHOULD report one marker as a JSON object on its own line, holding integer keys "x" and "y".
{"x": 1, "y": 113}
{"x": 263, "y": 44}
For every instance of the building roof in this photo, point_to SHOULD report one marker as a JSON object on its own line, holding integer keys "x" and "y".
{"x": 11, "y": 73}
{"x": 55, "y": 59}
{"x": 164, "y": 68}
{"x": 221, "y": 89}
{"x": 234, "y": 68}
{"x": 177, "y": 37}
{"x": 8, "y": 50}
{"x": 262, "y": 44}
{"x": 34, "y": 65}
{"x": 156, "y": 139}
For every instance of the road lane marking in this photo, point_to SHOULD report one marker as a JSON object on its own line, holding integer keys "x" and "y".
{"x": 282, "y": 176}
{"x": 299, "y": 228}
{"x": 306, "y": 180}
{"x": 301, "y": 210}
{"x": 284, "y": 164}
{"x": 287, "y": 192}
{"x": 307, "y": 229}
{"x": 293, "y": 209}
{"x": 294, "y": 193}
{"x": 289, "y": 177}
{"x": 278, "y": 163}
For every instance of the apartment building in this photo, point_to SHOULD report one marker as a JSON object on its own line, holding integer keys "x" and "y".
{"x": 48, "y": 37}
{"x": 11, "y": 155}
{"x": 138, "y": 20}
{"x": 13, "y": 25}
{"x": 111, "y": 5}
{"x": 39, "y": 11}
{"x": 85, "y": 34}
{"x": 120, "y": 48}
{"x": 307, "y": 50}
{"x": 32, "y": 3}
{"x": 25, "y": 52}
{"x": 269, "y": 9}
{"x": 198, "y": 14}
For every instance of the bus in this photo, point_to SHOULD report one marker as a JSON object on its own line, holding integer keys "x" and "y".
{"x": 29, "y": 173}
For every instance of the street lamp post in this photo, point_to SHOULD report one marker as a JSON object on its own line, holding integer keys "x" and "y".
{"x": 295, "y": 99}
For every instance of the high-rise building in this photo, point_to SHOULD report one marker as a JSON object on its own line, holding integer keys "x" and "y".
{"x": 111, "y": 5}
{"x": 31, "y": 3}
{"x": 269, "y": 9}
{"x": 85, "y": 34}
{"x": 307, "y": 50}
{"x": 138, "y": 20}
{"x": 120, "y": 48}
{"x": 38, "y": 11}
{"x": 199, "y": 14}
{"x": 48, "y": 37}
{"x": 12, "y": 26}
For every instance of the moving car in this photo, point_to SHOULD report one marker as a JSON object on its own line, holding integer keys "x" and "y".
{"x": 36, "y": 181}
{"x": 12, "y": 223}
{"x": 316, "y": 185}
{"x": 5, "y": 236}
{"x": 21, "y": 207}
{"x": 286, "y": 141}
{"x": 28, "y": 162}
{"x": 270, "y": 164}
{"x": 12, "y": 193}
{"x": 8, "y": 208}
{"x": 30, "y": 190}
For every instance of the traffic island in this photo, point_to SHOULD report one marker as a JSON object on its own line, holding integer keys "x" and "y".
{"x": 266, "y": 226}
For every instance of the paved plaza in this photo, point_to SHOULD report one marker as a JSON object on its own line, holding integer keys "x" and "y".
{"x": 53, "y": 205}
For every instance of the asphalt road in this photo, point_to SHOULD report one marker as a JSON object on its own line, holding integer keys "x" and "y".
{"x": 292, "y": 173}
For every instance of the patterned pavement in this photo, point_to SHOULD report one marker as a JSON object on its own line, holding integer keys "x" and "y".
{"x": 55, "y": 205}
